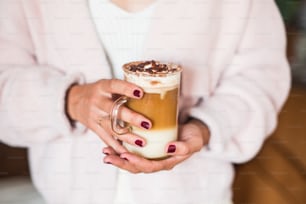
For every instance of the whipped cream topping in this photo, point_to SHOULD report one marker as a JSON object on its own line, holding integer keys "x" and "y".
{"x": 153, "y": 76}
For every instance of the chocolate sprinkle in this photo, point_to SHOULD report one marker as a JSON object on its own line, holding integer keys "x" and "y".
{"x": 152, "y": 67}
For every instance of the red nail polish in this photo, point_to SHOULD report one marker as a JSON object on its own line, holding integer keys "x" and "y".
{"x": 138, "y": 143}
{"x": 136, "y": 93}
{"x": 145, "y": 125}
{"x": 171, "y": 148}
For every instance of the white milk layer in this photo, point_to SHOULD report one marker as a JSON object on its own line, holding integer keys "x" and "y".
{"x": 156, "y": 142}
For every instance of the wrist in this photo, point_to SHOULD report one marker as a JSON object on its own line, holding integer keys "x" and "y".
{"x": 202, "y": 127}
{"x": 70, "y": 102}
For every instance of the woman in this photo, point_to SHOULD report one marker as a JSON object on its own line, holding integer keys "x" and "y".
{"x": 58, "y": 59}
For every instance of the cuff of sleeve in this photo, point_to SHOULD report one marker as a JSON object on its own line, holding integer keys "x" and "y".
{"x": 64, "y": 121}
{"x": 217, "y": 125}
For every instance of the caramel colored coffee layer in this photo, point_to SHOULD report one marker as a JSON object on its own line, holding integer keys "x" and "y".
{"x": 162, "y": 111}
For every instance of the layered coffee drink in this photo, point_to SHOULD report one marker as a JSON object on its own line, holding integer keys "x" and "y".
{"x": 161, "y": 83}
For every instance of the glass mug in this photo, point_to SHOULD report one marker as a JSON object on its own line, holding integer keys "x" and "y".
{"x": 161, "y": 85}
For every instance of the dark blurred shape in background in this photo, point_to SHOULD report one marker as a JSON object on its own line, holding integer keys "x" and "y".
{"x": 13, "y": 162}
{"x": 278, "y": 173}
{"x": 294, "y": 14}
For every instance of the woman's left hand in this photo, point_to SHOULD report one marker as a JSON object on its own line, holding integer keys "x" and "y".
{"x": 193, "y": 136}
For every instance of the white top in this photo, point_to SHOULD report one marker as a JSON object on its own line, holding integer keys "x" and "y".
{"x": 122, "y": 33}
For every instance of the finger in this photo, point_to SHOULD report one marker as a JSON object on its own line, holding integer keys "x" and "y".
{"x": 112, "y": 142}
{"x": 132, "y": 139}
{"x": 121, "y": 163}
{"x": 178, "y": 148}
{"x": 192, "y": 136}
{"x": 136, "y": 164}
{"x": 116, "y": 86}
{"x": 127, "y": 115}
{"x": 133, "y": 118}
{"x": 109, "y": 150}
{"x": 129, "y": 138}
{"x": 107, "y": 138}
{"x": 150, "y": 166}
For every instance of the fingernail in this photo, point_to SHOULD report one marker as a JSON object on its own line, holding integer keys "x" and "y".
{"x": 138, "y": 143}
{"x": 145, "y": 125}
{"x": 136, "y": 93}
{"x": 171, "y": 148}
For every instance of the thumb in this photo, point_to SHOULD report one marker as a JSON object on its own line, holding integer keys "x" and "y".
{"x": 179, "y": 148}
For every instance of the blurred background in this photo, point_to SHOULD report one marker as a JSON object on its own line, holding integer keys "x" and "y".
{"x": 278, "y": 173}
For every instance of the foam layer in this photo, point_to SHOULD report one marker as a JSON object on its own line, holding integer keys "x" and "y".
{"x": 157, "y": 141}
{"x": 152, "y": 76}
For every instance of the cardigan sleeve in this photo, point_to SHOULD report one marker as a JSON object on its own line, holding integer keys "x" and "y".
{"x": 242, "y": 109}
{"x": 32, "y": 96}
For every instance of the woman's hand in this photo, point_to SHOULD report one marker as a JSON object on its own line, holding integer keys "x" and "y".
{"x": 91, "y": 105}
{"x": 193, "y": 136}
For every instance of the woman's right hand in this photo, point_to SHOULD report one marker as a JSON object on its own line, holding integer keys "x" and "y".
{"x": 92, "y": 103}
